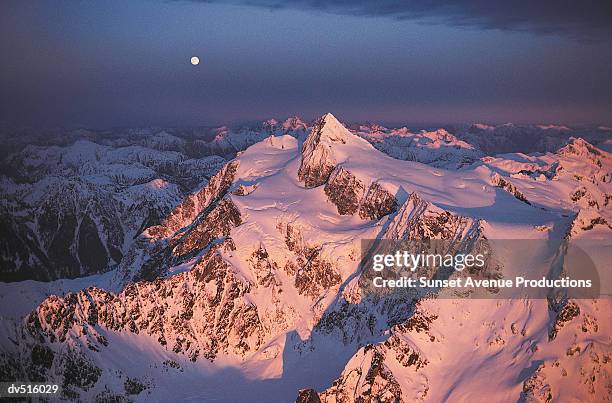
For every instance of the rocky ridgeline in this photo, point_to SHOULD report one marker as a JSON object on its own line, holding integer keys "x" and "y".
{"x": 362, "y": 311}
{"x": 418, "y": 219}
{"x": 580, "y": 148}
{"x": 205, "y": 312}
{"x": 505, "y": 184}
{"x": 198, "y": 313}
{"x": 312, "y": 273}
{"x": 371, "y": 374}
{"x": 592, "y": 194}
{"x": 195, "y": 204}
{"x": 193, "y": 225}
{"x": 201, "y": 313}
{"x": 581, "y": 172}
{"x": 350, "y": 196}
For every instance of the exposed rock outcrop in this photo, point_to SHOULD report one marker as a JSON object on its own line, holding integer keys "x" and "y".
{"x": 196, "y": 203}
{"x": 377, "y": 203}
{"x": 370, "y": 380}
{"x": 312, "y": 272}
{"x": 318, "y": 159}
{"x": 370, "y": 374}
{"x": 500, "y": 182}
{"x": 198, "y": 313}
{"x": 349, "y": 195}
{"x": 345, "y": 191}
{"x": 418, "y": 219}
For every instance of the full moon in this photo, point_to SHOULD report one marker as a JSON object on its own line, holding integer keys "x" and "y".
{"x": 195, "y": 60}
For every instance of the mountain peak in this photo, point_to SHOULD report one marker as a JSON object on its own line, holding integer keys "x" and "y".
{"x": 329, "y": 116}
{"x": 293, "y": 123}
{"x": 578, "y": 147}
{"x": 330, "y": 128}
{"x": 318, "y": 156}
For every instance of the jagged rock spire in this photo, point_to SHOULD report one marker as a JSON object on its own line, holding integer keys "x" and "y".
{"x": 318, "y": 157}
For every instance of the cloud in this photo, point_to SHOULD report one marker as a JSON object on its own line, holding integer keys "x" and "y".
{"x": 588, "y": 19}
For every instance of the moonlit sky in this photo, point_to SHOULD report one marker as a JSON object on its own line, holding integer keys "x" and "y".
{"x": 127, "y": 63}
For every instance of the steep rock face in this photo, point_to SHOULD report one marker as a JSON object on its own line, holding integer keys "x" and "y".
{"x": 592, "y": 172}
{"x": 375, "y": 371}
{"x": 212, "y": 227}
{"x": 217, "y": 224}
{"x": 21, "y": 256}
{"x": 536, "y": 388}
{"x": 420, "y": 226}
{"x": 308, "y": 396}
{"x": 418, "y": 219}
{"x": 72, "y": 232}
{"x": 256, "y": 259}
{"x": 264, "y": 267}
{"x": 322, "y": 153}
{"x": 369, "y": 380}
{"x": 199, "y": 313}
{"x": 311, "y": 272}
{"x": 345, "y": 191}
{"x": 579, "y": 148}
{"x": 194, "y": 204}
{"x": 349, "y": 195}
{"x": 185, "y": 231}
{"x": 500, "y": 182}
{"x": 363, "y": 310}
{"x": 377, "y": 203}
{"x": 318, "y": 159}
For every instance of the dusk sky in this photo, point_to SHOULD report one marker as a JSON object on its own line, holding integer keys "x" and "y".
{"x": 116, "y": 63}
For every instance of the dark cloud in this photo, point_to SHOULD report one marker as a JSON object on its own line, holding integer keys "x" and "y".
{"x": 589, "y": 20}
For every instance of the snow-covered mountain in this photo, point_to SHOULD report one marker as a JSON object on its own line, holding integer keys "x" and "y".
{"x": 229, "y": 141}
{"x": 509, "y": 138}
{"x": 73, "y": 211}
{"x": 438, "y": 148}
{"x": 250, "y": 288}
{"x": 576, "y": 178}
